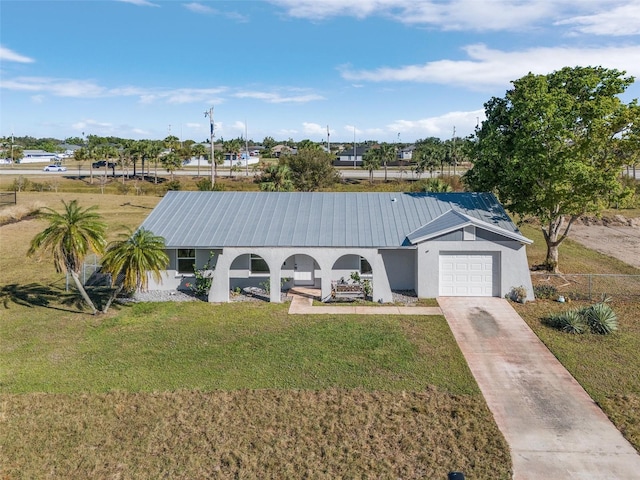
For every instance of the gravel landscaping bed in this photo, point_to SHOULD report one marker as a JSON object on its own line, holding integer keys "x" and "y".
{"x": 247, "y": 295}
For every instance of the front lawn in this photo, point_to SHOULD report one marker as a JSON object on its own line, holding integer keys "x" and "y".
{"x": 193, "y": 390}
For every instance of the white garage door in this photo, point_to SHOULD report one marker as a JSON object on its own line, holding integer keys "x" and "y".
{"x": 466, "y": 275}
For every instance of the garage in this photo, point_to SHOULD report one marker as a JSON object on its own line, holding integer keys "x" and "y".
{"x": 468, "y": 275}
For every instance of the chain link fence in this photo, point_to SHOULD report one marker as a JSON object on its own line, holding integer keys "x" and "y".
{"x": 590, "y": 286}
{"x": 8, "y": 198}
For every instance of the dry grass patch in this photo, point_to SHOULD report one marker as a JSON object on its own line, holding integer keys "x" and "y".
{"x": 15, "y": 213}
{"x": 250, "y": 434}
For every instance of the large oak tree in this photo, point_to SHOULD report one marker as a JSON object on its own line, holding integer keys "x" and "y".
{"x": 550, "y": 147}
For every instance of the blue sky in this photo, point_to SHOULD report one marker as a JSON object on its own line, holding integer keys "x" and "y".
{"x": 384, "y": 70}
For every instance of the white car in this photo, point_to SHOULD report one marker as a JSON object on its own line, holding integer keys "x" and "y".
{"x": 55, "y": 168}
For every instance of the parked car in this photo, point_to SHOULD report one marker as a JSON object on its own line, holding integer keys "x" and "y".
{"x": 55, "y": 168}
{"x": 102, "y": 163}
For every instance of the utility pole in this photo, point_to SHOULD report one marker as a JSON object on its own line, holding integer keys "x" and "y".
{"x": 453, "y": 149}
{"x": 354, "y": 148}
{"x": 328, "y": 142}
{"x": 246, "y": 149}
{"x": 211, "y": 140}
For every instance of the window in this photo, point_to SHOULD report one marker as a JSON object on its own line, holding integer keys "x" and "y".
{"x": 186, "y": 259}
{"x": 258, "y": 265}
{"x": 365, "y": 267}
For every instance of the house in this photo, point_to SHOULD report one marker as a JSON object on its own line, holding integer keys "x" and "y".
{"x": 280, "y": 150}
{"x": 351, "y": 156}
{"x": 437, "y": 244}
{"x": 406, "y": 153}
{"x": 38, "y": 156}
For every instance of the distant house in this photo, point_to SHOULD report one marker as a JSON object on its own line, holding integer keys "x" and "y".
{"x": 406, "y": 153}
{"x": 282, "y": 150}
{"x": 437, "y": 244}
{"x": 351, "y": 156}
{"x": 39, "y": 156}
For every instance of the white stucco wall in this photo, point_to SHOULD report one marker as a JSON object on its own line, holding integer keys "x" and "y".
{"x": 406, "y": 268}
{"x": 275, "y": 257}
{"x": 510, "y": 259}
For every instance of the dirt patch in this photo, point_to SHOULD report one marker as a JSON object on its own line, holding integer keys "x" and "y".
{"x": 616, "y": 236}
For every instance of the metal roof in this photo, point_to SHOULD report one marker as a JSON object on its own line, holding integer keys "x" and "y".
{"x": 454, "y": 220}
{"x": 318, "y": 219}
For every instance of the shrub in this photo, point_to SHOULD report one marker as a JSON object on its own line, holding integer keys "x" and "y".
{"x": 173, "y": 185}
{"x": 571, "y": 321}
{"x": 204, "y": 184}
{"x": 598, "y": 318}
{"x": 545, "y": 291}
{"x": 601, "y": 318}
{"x": 204, "y": 277}
{"x": 517, "y": 294}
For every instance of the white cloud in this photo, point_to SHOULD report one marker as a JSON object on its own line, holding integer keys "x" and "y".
{"x": 202, "y": 9}
{"x": 90, "y": 89}
{"x": 485, "y": 15}
{"x": 199, "y": 8}
{"x": 441, "y": 126}
{"x": 314, "y": 129}
{"x": 277, "y": 98}
{"x": 489, "y": 67}
{"x": 140, "y": 3}
{"x": 7, "y": 55}
{"x": 89, "y": 123}
{"x": 621, "y": 20}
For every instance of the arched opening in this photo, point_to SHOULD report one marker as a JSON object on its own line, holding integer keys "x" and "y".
{"x": 300, "y": 271}
{"x": 249, "y": 272}
{"x": 351, "y": 277}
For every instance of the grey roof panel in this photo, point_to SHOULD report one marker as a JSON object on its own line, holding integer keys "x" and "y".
{"x": 322, "y": 219}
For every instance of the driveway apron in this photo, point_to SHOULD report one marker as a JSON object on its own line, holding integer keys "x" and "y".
{"x": 553, "y": 428}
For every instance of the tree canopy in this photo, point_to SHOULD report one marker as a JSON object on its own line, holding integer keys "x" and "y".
{"x": 549, "y": 147}
{"x": 70, "y": 236}
{"x": 311, "y": 169}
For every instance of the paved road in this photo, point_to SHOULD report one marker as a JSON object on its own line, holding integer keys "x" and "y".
{"x": 349, "y": 173}
{"x": 553, "y": 428}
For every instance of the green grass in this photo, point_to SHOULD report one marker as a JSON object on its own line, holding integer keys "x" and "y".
{"x": 242, "y": 390}
{"x": 606, "y": 366}
{"x": 165, "y": 347}
{"x": 196, "y": 391}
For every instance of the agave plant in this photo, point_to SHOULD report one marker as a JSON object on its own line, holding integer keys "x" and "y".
{"x": 571, "y": 321}
{"x": 601, "y": 318}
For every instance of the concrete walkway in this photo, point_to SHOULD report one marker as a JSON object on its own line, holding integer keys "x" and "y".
{"x": 302, "y": 304}
{"x": 553, "y": 428}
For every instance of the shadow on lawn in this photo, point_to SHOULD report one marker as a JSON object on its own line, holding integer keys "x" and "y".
{"x": 50, "y": 296}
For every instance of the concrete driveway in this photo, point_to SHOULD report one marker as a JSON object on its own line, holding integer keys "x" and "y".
{"x": 553, "y": 428}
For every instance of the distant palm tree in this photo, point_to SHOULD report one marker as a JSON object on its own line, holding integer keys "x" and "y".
{"x": 132, "y": 258}
{"x": 387, "y": 154}
{"x": 199, "y": 151}
{"x": 371, "y": 161}
{"x": 276, "y": 178}
{"x": 70, "y": 236}
{"x": 172, "y": 162}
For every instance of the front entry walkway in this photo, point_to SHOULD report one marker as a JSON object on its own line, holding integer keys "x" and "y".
{"x": 302, "y": 304}
{"x": 553, "y": 428}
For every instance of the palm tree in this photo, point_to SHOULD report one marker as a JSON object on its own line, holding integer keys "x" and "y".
{"x": 172, "y": 162}
{"x": 154, "y": 150}
{"x": 132, "y": 258}
{"x": 371, "y": 161}
{"x": 387, "y": 154}
{"x": 275, "y": 178}
{"x": 233, "y": 147}
{"x": 199, "y": 151}
{"x": 70, "y": 236}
